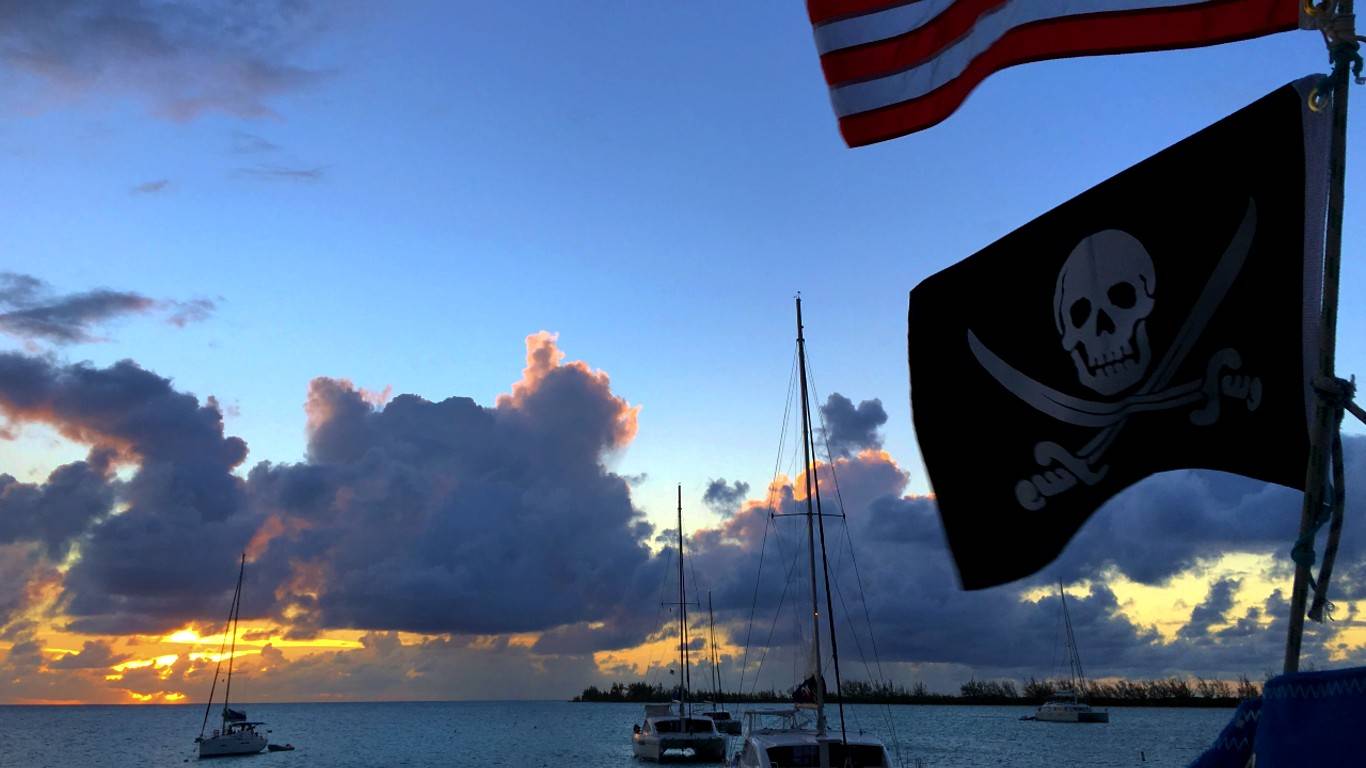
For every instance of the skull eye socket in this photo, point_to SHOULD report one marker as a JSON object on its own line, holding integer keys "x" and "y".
{"x": 1122, "y": 295}
{"x": 1080, "y": 312}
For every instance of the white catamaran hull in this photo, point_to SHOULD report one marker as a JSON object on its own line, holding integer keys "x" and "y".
{"x": 1072, "y": 716}
{"x": 703, "y": 747}
{"x": 226, "y": 745}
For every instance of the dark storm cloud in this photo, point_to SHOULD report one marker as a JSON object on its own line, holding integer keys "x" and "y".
{"x": 181, "y": 58}
{"x": 454, "y": 517}
{"x": 724, "y": 498}
{"x": 54, "y": 512}
{"x": 918, "y": 614}
{"x": 847, "y": 429}
{"x": 155, "y": 564}
{"x": 31, "y": 310}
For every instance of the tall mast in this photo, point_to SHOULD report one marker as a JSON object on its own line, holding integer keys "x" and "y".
{"x": 711, "y": 647}
{"x": 1073, "y": 655}
{"x": 236, "y": 613}
{"x": 810, "y": 529}
{"x": 682, "y": 616}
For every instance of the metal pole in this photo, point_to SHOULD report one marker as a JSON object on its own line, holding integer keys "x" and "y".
{"x": 1321, "y": 429}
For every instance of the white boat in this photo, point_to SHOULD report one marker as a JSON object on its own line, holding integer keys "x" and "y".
{"x": 800, "y": 736}
{"x": 237, "y": 735}
{"x": 670, "y": 733}
{"x": 1068, "y": 705}
{"x": 780, "y": 738}
{"x": 673, "y": 731}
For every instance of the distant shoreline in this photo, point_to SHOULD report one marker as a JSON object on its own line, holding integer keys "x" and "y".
{"x": 1174, "y": 692}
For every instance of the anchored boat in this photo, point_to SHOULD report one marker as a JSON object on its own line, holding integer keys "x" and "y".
{"x": 1068, "y": 705}
{"x": 672, "y": 731}
{"x": 237, "y": 735}
{"x": 800, "y": 736}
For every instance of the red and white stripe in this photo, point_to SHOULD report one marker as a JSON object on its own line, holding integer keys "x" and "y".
{"x": 899, "y": 66}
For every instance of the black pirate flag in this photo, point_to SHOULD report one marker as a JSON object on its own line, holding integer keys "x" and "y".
{"x": 1164, "y": 319}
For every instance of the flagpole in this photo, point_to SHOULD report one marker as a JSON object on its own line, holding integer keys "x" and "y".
{"x": 1342, "y": 49}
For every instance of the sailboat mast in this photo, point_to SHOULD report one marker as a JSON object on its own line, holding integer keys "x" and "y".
{"x": 810, "y": 528}
{"x": 682, "y": 616}
{"x": 1073, "y": 655}
{"x": 236, "y": 613}
{"x": 825, "y": 569}
{"x": 711, "y": 647}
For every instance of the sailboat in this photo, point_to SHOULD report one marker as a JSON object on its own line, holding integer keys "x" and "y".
{"x": 1068, "y": 705}
{"x": 718, "y": 714}
{"x": 801, "y": 735}
{"x": 237, "y": 735}
{"x": 671, "y": 730}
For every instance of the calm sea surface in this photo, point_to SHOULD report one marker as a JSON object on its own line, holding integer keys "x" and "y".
{"x": 529, "y": 734}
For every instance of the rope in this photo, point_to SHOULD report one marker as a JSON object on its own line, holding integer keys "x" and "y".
{"x": 1338, "y": 394}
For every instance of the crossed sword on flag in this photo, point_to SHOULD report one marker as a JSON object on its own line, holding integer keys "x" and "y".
{"x": 1062, "y": 469}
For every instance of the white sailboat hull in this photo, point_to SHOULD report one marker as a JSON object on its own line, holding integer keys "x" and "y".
{"x": 227, "y": 745}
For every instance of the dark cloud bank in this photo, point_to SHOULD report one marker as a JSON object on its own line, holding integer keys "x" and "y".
{"x": 463, "y": 520}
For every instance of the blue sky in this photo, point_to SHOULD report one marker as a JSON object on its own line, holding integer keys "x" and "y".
{"x": 652, "y": 181}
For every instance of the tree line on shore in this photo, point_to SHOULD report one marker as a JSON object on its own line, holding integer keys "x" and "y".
{"x": 1164, "y": 692}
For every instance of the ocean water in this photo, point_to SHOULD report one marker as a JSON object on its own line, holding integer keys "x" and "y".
{"x": 555, "y": 734}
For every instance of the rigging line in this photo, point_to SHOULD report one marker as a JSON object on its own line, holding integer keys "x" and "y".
{"x": 782, "y": 600}
{"x": 232, "y": 649}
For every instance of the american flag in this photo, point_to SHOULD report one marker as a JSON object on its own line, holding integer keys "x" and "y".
{"x": 899, "y": 66}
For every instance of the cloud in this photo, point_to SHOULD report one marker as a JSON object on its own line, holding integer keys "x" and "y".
{"x": 847, "y": 429}
{"x": 450, "y": 516}
{"x": 30, "y": 310}
{"x": 724, "y": 498}
{"x": 161, "y": 560}
{"x": 94, "y": 654}
{"x": 149, "y": 187}
{"x": 244, "y": 143}
{"x": 181, "y": 59}
{"x": 282, "y": 173}
{"x": 55, "y": 512}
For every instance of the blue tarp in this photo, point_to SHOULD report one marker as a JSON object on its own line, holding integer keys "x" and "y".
{"x": 1304, "y": 719}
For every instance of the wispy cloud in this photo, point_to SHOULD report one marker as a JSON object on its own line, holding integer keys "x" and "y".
{"x": 150, "y": 187}
{"x": 244, "y": 143}
{"x": 31, "y": 310}
{"x": 281, "y": 173}
{"x": 182, "y": 58}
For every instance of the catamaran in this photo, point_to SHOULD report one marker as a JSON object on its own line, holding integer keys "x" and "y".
{"x": 671, "y": 731}
{"x": 800, "y": 735}
{"x": 237, "y": 735}
{"x": 1069, "y": 704}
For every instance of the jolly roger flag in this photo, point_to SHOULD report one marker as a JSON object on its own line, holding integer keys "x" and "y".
{"x": 1164, "y": 319}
